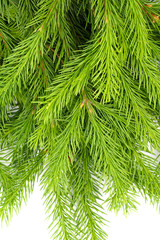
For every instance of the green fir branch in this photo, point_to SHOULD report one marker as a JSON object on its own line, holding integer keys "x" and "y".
{"x": 79, "y": 108}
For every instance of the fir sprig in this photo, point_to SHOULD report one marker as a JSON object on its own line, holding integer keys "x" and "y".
{"x": 80, "y": 102}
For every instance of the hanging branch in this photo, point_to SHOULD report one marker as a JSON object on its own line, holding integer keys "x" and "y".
{"x": 80, "y": 103}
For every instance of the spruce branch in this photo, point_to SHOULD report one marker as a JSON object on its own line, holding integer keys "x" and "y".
{"x": 80, "y": 102}
{"x": 20, "y": 185}
{"x": 86, "y": 198}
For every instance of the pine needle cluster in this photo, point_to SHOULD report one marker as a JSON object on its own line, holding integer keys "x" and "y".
{"x": 79, "y": 106}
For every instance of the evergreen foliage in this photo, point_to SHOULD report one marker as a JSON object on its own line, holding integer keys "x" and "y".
{"x": 79, "y": 104}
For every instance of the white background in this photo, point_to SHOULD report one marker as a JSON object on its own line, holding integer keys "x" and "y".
{"x": 30, "y": 224}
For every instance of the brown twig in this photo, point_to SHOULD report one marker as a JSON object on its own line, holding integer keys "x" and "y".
{"x": 41, "y": 28}
{"x": 69, "y": 158}
{"x": 4, "y": 41}
{"x": 156, "y": 17}
{"x": 34, "y": 109}
{"x": 53, "y": 124}
{"x": 87, "y": 102}
{"x": 56, "y": 54}
{"x": 14, "y": 3}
